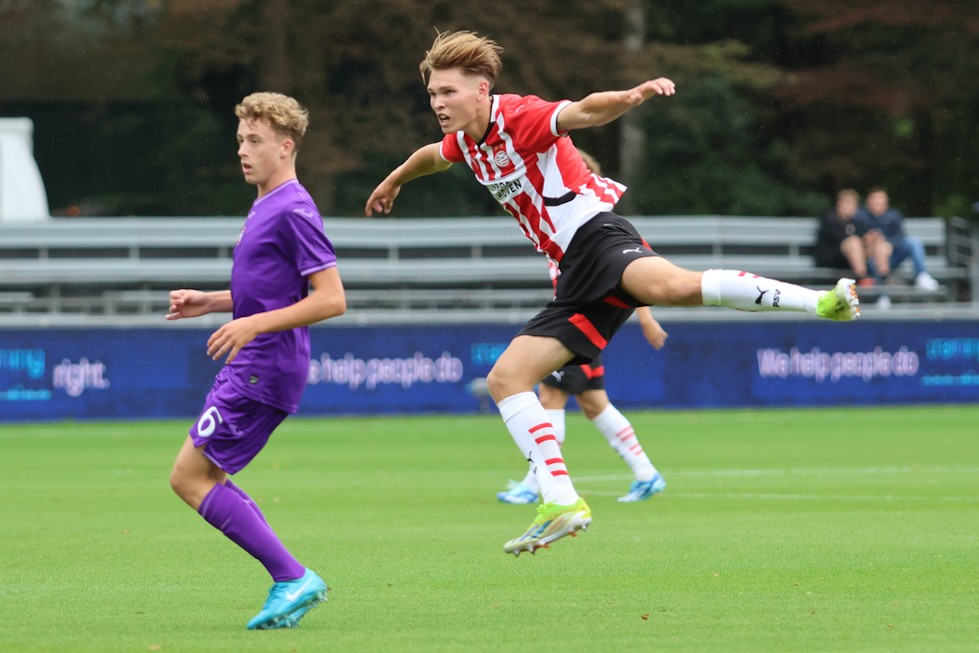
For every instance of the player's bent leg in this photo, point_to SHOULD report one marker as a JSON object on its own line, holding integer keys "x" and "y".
{"x": 525, "y": 361}
{"x": 194, "y": 475}
{"x": 655, "y": 281}
{"x": 749, "y": 292}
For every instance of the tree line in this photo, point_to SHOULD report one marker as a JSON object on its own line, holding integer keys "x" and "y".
{"x": 780, "y": 103}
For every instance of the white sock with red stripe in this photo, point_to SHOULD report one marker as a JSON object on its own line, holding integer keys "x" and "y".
{"x": 557, "y": 421}
{"x": 620, "y": 434}
{"x": 533, "y": 432}
{"x": 749, "y": 292}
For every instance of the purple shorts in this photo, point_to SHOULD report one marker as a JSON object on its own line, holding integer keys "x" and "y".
{"x": 233, "y": 428}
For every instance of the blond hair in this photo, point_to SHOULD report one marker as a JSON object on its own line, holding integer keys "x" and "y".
{"x": 283, "y": 114}
{"x": 474, "y": 54}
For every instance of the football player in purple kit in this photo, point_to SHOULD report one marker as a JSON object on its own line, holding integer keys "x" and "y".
{"x": 281, "y": 251}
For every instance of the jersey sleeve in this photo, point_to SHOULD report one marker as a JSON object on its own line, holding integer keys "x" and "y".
{"x": 533, "y": 121}
{"x": 450, "y": 150}
{"x": 312, "y": 250}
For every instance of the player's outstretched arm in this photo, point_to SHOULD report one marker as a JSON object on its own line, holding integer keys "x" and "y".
{"x": 423, "y": 161}
{"x": 604, "y": 107}
{"x": 194, "y": 303}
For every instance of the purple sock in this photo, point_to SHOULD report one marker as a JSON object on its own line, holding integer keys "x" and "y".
{"x": 244, "y": 495}
{"x": 227, "y": 511}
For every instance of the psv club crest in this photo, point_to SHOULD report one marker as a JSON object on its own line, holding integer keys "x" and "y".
{"x": 500, "y": 157}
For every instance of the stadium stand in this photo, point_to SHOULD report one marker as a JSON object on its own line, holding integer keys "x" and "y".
{"x": 420, "y": 267}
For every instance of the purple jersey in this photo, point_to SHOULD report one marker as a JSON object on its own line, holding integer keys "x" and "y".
{"x": 281, "y": 243}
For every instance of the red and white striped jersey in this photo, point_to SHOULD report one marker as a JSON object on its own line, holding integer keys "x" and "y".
{"x": 534, "y": 171}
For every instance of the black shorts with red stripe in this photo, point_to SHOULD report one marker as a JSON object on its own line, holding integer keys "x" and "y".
{"x": 589, "y": 303}
{"x": 575, "y": 379}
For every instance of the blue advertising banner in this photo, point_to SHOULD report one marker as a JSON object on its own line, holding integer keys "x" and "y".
{"x": 54, "y": 374}
{"x": 765, "y": 363}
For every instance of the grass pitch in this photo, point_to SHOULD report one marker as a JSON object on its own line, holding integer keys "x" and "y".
{"x": 806, "y": 530}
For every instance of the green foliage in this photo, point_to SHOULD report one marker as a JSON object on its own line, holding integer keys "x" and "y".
{"x": 708, "y": 155}
{"x": 781, "y": 102}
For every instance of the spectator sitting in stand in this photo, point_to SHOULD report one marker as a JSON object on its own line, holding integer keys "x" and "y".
{"x": 838, "y": 243}
{"x": 878, "y": 223}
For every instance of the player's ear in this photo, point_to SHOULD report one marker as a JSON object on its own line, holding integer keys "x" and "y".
{"x": 482, "y": 89}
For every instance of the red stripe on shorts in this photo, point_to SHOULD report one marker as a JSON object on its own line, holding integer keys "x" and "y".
{"x": 584, "y": 325}
{"x": 616, "y": 302}
{"x": 592, "y": 372}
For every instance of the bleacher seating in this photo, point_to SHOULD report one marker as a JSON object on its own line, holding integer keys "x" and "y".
{"x": 125, "y": 266}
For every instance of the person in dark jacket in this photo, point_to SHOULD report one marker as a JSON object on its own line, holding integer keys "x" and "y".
{"x": 838, "y": 241}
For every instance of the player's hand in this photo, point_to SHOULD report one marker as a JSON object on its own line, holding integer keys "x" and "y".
{"x": 646, "y": 90}
{"x": 381, "y": 200}
{"x": 231, "y": 337}
{"x": 188, "y": 303}
{"x": 655, "y": 334}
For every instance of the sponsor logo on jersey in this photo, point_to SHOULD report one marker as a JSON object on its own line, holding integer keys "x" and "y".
{"x": 504, "y": 191}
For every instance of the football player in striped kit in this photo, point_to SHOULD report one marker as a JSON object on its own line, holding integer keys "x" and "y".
{"x": 587, "y": 383}
{"x": 519, "y": 149}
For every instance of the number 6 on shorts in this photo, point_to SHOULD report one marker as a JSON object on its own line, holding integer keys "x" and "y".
{"x": 209, "y": 420}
